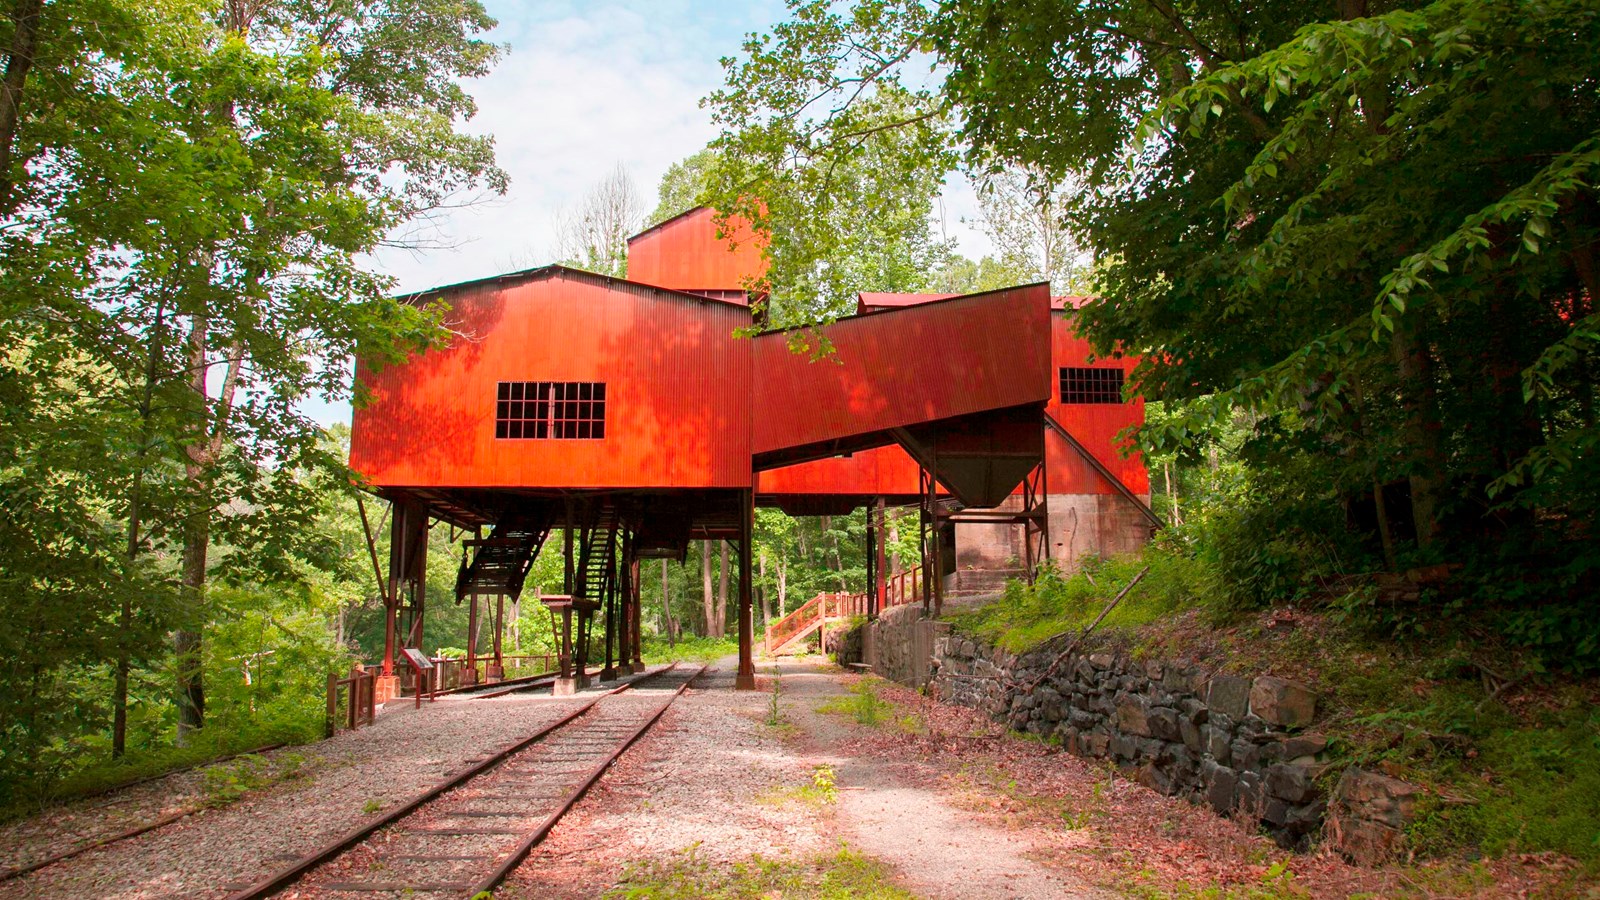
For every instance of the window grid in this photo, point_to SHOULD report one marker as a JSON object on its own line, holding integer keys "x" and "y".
{"x": 550, "y": 410}
{"x": 1091, "y": 384}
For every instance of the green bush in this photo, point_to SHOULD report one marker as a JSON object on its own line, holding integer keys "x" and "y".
{"x": 1028, "y": 615}
{"x": 689, "y": 649}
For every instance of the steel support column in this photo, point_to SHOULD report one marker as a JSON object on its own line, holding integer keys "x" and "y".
{"x": 408, "y": 541}
{"x": 638, "y": 617}
{"x": 878, "y": 529}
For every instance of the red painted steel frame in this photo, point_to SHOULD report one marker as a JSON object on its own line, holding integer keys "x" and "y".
{"x": 889, "y": 370}
{"x": 889, "y": 471}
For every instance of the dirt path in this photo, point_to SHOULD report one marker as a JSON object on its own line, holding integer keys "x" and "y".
{"x": 939, "y": 850}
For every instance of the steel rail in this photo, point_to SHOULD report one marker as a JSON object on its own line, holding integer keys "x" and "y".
{"x": 281, "y": 879}
{"x": 537, "y": 836}
{"x": 160, "y": 822}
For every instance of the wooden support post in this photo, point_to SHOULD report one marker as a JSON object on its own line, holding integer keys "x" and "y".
{"x": 746, "y": 678}
{"x": 609, "y": 670}
{"x": 408, "y": 541}
{"x": 472, "y": 638}
{"x": 625, "y": 606}
{"x": 333, "y": 704}
{"x": 566, "y": 641}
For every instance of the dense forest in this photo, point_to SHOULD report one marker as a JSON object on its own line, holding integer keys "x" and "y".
{"x": 1353, "y": 245}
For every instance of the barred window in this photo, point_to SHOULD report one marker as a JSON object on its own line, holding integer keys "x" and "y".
{"x": 556, "y": 410}
{"x": 1083, "y": 384}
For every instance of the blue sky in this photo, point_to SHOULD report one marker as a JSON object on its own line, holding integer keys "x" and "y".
{"x": 583, "y": 87}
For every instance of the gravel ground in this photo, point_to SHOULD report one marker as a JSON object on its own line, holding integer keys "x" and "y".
{"x": 894, "y": 811}
{"x": 338, "y": 781}
{"x": 708, "y": 779}
{"x": 715, "y": 781}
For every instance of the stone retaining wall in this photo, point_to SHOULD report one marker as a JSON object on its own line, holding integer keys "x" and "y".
{"x": 900, "y": 644}
{"x": 1233, "y": 743}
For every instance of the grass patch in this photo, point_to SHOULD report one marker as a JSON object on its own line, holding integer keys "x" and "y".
{"x": 862, "y": 704}
{"x": 840, "y": 875}
{"x": 1028, "y": 615}
{"x": 866, "y": 706}
{"x": 1526, "y": 789}
{"x": 204, "y": 746}
{"x": 225, "y": 783}
{"x": 689, "y": 649}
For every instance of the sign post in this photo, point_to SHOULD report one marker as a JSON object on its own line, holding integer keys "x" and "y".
{"x": 423, "y": 666}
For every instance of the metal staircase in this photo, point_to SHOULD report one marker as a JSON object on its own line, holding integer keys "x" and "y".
{"x": 597, "y": 558}
{"x": 499, "y": 564}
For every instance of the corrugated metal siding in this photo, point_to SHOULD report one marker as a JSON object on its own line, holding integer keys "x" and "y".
{"x": 685, "y": 254}
{"x": 678, "y": 404}
{"x": 1095, "y": 425}
{"x": 898, "y": 368}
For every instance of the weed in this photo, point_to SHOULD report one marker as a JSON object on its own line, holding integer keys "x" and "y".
{"x": 827, "y": 876}
{"x": 820, "y": 793}
{"x": 1028, "y": 615}
{"x": 863, "y": 704}
{"x": 371, "y": 807}
{"x": 774, "y": 710}
{"x": 223, "y": 784}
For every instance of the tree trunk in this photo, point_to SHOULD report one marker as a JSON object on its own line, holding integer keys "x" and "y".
{"x": 187, "y": 644}
{"x": 199, "y": 458}
{"x": 119, "y": 698}
{"x": 838, "y": 558}
{"x": 783, "y": 587}
{"x": 1172, "y": 492}
{"x": 1385, "y": 535}
{"x": 1421, "y": 430}
{"x": 766, "y": 595}
{"x": 722, "y": 588}
{"x": 894, "y": 544}
{"x": 25, "y": 15}
{"x": 705, "y": 584}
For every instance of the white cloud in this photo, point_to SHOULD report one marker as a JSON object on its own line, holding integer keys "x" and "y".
{"x": 584, "y": 87}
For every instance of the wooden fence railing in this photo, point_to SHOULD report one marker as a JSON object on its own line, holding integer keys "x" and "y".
{"x": 815, "y": 613}
{"x": 447, "y": 669}
{"x": 357, "y": 691}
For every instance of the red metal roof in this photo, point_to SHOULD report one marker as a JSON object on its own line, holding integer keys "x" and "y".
{"x": 871, "y": 302}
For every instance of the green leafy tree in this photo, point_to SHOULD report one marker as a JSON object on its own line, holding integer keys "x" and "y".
{"x": 685, "y": 185}
{"x": 835, "y": 154}
{"x": 190, "y": 189}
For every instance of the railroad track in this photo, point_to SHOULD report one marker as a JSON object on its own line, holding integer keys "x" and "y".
{"x": 465, "y": 836}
